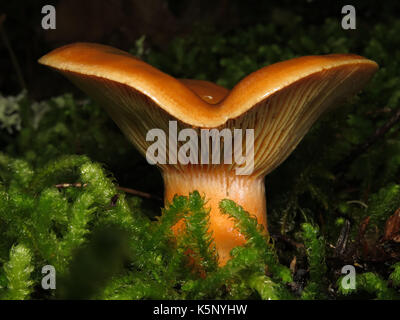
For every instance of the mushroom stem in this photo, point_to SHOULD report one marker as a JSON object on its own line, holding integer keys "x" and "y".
{"x": 216, "y": 185}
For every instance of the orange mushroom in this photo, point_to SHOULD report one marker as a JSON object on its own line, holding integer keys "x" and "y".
{"x": 280, "y": 102}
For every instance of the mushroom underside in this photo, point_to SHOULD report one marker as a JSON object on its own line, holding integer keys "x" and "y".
{"x": 279, "y": 103}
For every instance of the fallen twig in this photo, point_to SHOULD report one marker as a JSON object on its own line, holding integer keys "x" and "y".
{"x": 127, "y": 190}
{"x": 341, "y": 243}
{"x": 69, "y": 185}
{"x": 139, "y": 193}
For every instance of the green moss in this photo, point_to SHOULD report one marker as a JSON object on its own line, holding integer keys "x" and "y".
{"x": 395, "y": 275}
{"x": 315, "y": 248}
{"x": 17, "y": 273}
{"x": 372, "y": 284}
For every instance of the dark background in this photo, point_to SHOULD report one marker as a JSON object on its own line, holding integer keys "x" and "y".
{"x": 120, "y": 23}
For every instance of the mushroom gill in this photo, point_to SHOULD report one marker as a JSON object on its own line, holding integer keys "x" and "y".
{"x": 279, "y": 102}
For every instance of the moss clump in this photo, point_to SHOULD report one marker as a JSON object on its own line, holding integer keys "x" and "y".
{"x": 17, "y": 273}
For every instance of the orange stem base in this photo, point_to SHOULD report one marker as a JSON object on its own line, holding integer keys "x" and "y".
{"x": 246, "y": 191}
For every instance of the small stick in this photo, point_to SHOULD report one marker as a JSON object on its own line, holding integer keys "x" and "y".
{"x": 68, "y": 185}
{"x": 341, "y": 242}
{"x": 127, "y": 190}
{"x": 139, "y": 193}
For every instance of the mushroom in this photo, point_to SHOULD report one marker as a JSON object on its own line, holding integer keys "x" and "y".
{"x": 279, "y": 102}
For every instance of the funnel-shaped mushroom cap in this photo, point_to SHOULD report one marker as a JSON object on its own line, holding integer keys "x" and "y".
{"x": 280, "y": 102}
